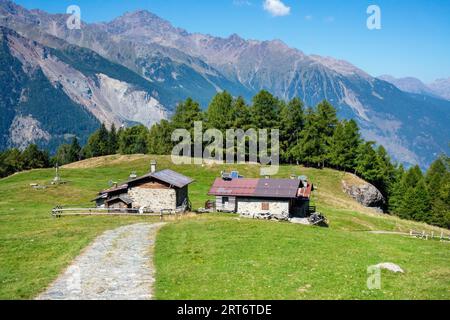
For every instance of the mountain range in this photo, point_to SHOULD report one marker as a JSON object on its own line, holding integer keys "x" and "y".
{"x": 60, "y": 83}
{"x": 439, "y": 88}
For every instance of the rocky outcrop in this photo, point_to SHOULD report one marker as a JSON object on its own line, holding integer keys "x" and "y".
{"x": 366, "y": 194}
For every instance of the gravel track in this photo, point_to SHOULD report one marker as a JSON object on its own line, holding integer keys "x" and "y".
{"x": 116, "y": 266}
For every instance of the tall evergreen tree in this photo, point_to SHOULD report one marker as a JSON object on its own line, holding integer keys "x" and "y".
{"x": 344, "y": 146}
{"x": 113, "y": 140}
{"x": 438, "y": 182}
{"x": 410, "y": 181}
{"x": 291, "y": 123}
{"x": 367, "y": 164}
{"x": 265, "y": 111}
{"x": 62, "y": 156}
{"x": 240, "y": 115}
{"x": 186, "y": 114}
{"x": 397, "y": 190}
{"x": 219, "y": 113}
{"x": 160, "y": 139}
{"x": 33, "y": 158}
{"x": 310, "y": 149}
{"x": 10, "y": 162}
{"x": 387, "y": 171}
{"x": 74, "y": 151}
{"x": 98, "y": 143}
{"x": 134, "y": 140}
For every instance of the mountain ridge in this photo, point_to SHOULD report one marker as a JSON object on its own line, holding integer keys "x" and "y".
{"x": 439, "y": 88}
{"x": 182, "y": 64}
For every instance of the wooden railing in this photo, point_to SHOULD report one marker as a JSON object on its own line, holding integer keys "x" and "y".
{"x": 60, "y": 211}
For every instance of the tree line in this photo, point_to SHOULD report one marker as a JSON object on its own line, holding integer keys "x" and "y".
{"x": 310, "y": 136}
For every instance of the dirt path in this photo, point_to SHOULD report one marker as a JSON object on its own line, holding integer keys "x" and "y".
{"x": 116, "y": 266}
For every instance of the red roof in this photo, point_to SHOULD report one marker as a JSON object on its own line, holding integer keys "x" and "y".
{"x": 256, "y": 188}
{"x": 235, "y": 187}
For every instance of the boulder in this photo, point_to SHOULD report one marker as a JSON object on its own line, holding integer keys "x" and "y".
{"x": 390, "y": 266}
{"x": 366, "y": 194}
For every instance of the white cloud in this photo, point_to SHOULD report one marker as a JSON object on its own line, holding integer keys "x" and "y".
{"x": 276, "y": 8}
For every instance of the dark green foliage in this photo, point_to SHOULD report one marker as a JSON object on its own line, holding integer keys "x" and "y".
{"x": 265, "y": 111}
{"x": 292, "y": 118}
{"x": 33, "y": 158}
{"x": 240, "y": 115}
{"x": 396, "y": 190}
{"x": 310, "y": 149}
{"x": 13, "y": 160}
{"x": 438, "y": 181}
{"x": 133, "y": 140}
{"x": 344, "y": 146}
{"x": 219, "y": 113}
{"x": 160, "y": 138}
{"x": 186, "y": 114}
{"x": 10, "y": 162}
{"x": 367, "y": 165}
{"x": 113, "y": 140}
{"x": 314, "y": 137}
{"x": 98, "y": 143}
{"x": 62, "y": 156}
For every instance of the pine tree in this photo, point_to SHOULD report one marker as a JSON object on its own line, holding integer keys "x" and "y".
{"x": 33, "y": 158}
{"x": 219, "y": 113}
{"x": 74, "y": 151}
{"x": 240, "y": 115}
{"x": 134, "y": 140}
{"x": 310, "y": 149}
{"x": 62, "y": 156}
{"x": 397, "y": 190}
{"x": 416, "y": 204}
{"x": 10, "y": 162}
{"x": 113, "y": 143}
{"x": 186, "y": 114}
{"x": 438, "y": 182}
{"x": 411, "y": 185}
{"x": 326, "y": 118}
{"x": 265, "y": 111}
{"x": 160, "y": 139}
{"x": 367, "y": 163}
{"x": 291, "y": 123}
{"x": 387, "y": 171}
{"x": 326, "y": 122}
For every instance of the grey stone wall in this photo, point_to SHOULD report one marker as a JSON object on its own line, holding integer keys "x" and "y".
{"x": 229, "y": 207}
{"x": 153, "y": 199}
{"x": 252, "y": 206}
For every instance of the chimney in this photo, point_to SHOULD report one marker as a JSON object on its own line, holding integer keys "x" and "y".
{"x": 153, "y": 166}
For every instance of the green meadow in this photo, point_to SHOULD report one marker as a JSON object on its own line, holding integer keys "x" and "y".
{"x": 219, "y": 256}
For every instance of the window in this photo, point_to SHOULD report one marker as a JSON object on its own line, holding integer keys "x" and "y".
{"x": 265, "y": 206}
{"x": 225, "y": 200}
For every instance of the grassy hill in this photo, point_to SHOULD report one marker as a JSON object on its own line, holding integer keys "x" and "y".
{"x": 219, "y": 256}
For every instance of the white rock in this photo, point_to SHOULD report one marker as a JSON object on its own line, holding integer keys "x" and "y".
{"x": 390, "y": 266}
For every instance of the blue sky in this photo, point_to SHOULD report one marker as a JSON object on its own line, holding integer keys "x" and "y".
{"x": 414, "y": 39}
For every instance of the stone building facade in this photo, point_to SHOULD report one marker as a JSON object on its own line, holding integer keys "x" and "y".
{"x": 156, "y": 191}
{"x": 257, "y": 196}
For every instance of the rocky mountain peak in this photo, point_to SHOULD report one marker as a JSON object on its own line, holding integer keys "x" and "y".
{"x": 141, "y": 21}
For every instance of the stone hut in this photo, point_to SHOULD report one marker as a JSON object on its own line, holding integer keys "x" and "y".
{"x": 155, "y": 191}
{"x": 255, "y": 196}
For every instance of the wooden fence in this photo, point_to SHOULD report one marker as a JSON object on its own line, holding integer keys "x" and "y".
{"x": 60, "y": 211}
{"x": 429, "y": 236}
